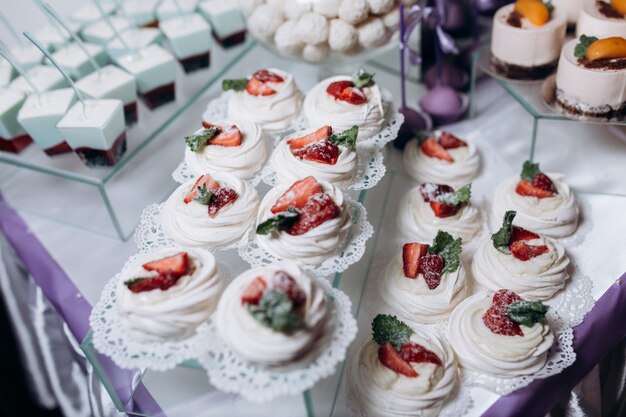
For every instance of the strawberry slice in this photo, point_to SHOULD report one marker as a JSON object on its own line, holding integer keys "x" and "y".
{"x": 525, "y": 252}
{"x": 522, "y": 234}
{"x": 431, "y": 267}
{"x": 267, "y": 76}
{"x": 442, "y": 210}
{"x": 346, "y": 91}
{"x": 175, "y": 265}
{"x": 254, "y": 291}
{"x": 544, "y": 182}
{"x": 160, "y": 282}
{"x": 526, "y": 189}
{"x": 504, "y": 298}
{"x": 433, "y": 149}
{"x": 431, "y": 191}
{"x": 319, "y": 209}
{"x": 221, "y": 198}
{"x": 414, "y": 352}
{"x": 203, "y": 180}
{"x": 297, "y": 195}
{"x": 230, "y": 136}
{"x": 208, "y": 125}
{"x": 389, "y": 357}
{"x": 336, "y": 88}
{"x": 281, "y": 281}
{"x": 496, "y": 319}
{"x": 411, "y": 255}
{"x": 319, "y": 135}
{"x": 322, "y": 152}
{"x": 449, "y": 141}
{"x": 259, "y": 88}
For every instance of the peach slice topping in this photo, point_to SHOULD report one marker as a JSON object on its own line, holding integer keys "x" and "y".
{"x": 533, "y": 10}
{"x": 607, "y": 48}
{"x": 619, "y": 6}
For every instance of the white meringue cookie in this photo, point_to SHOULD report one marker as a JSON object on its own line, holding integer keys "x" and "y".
{"x": 191, "y": 225}
{"x": 255, "y": 342}
{"x": 242, "y": 161}
{"x": 555, "y": 217}
{"x": 157, "y": 315}
{"x": 478, "y": 348}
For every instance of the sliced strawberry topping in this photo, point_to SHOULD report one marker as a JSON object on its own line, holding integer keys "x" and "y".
{"x": 281, "y": 281}
{"x": 503, "y": 298}
{"x": 319, "y": 209}
{"x": 208, "y": 125}
{"x": 161, "y": 282}
{"x": 254, "y": 291}
{"x": 433, "y": 149}
{"x": 230, "y": 136}
{"x": 525, "y": 252}
{"x": 259, "y": 88}
{"x": 522, "y": 234}
{"x": 442, "y": 210}
{"x": 319, "y": 135}
{"x": 430, "y": 191}
{"x": 322, "y": 152}
{"x": 431, "y": 267}
{"x": 346, "y": 91}
{"x": 526, "y": 189}
{"x": 176, "y": 265}
{"x": 297, "y": 195}
{"x": 336, "y": 88}
{"x": 389, "y": 357}
{"x": 267, "y": 76}
{"x": 496, "y": 319}
{"x": 221, "y": 198}
{"x": 414, "y": 352}
{"x": 203, "y": 180}
{"x": 544, "y": 182}
{"x": 449, "y": 141}
{"x": 411, "y": 255}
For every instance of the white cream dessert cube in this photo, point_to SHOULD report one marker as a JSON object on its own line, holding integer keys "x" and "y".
{"x": 190, "y": 39}
{"x": 100, "y": 32}
{"x": 142, "y": 12}
{"x": 6, "y": 73}
{"x": 13, "y": 138}
{"x": 27, "y": 56}
{"x": 44, "y": 77}
{"x": 74, "y": 60}
{"x": 227, "y": 22}
{"x": 53, "y": 38}
{"x": 40, "y": 114}
{"x": 96, "y": 133}
{"x": 89, "y": 13}
{"x": 135, "y": 38}
{"x": 167, "y": 9}
{"x": 593, "y": 22}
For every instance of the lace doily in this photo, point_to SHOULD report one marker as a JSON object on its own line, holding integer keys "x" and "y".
{"x": 231, "y": 374}
{"x": 182, "y": 174}
{"x": 149, "y": 234}
{"x": 370, "y": 170}
{"x": 575, "y": 299}
{"x": 347, "y": 254}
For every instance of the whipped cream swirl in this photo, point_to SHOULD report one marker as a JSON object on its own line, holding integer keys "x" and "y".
{"x": 480, "y": 349}
{"x": 191, "y": 225}
{"x": 314, "y": 246}
{"x": 289, "y": 168}
{"x": 274, "y": 112}
{"x": 555, "y": 216}
{"x": 383, "y": 392}
{"x": 413, "y": 301}
{"x": 243, "y": 161}
{"x": 320, "y": 108}
{"x": 416, "y": 220}
{"x": 255, "y": 342}
{"x": 538, "y": 278}
{"x": 423, "y": 168}
{"x": 173, "y": 314}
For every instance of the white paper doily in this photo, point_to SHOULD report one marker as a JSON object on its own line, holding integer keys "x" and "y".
{"x": 231, "y": 374}
{"x": 111, "y": 339}
{"x": 149, "y": 234}
{"x": 575, "y": 299}
{"x": 370, "y": 170}
{"x": 182, "y": 174}
{"x": 347, "y": 254}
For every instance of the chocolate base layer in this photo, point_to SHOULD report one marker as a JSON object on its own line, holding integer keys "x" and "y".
{"x": 159, "y": 96}
{"x": 609, "y": 114}
{"x": 15, "y": 145}
{"x": 131, "y": 114}
{"x": 103, "y": 158}
{"x": 196, "y": 62}
{"x": 59, "y": 149}
{"x": 230, "y": 40}
{"x": 517, "y": 72}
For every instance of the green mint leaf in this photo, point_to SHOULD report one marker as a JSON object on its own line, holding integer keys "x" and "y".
{"x": 363, "y": 79}
{"x": 386, "y": 328}
{"x": 580, "y": 51}
{"x": 197, "y": 142}
{"x": 442, "y": 240}
{"x": 529, "y": 171}
{"x": 449, "y": 249}
{"x": 549, "y": 6}
{"x": 236, "y": 85}
{"x": 526, "y": 313}
{"x": 423, "y": 135}
{"x": 204, "y": 195}
{"x": 347, "y": 138}
{"x": 502, "y": 237}
{"x": 276, "y": 311}
{"x": 134, "y": 281}
{"x": 281, "y": 221}
{"x": 461, "y": 196}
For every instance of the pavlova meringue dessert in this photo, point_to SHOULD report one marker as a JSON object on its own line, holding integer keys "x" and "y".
{"x": 402, "y": 371}
{"x": 500, "y": 334}
{"x": 269, "y": 98}
{"x": 166, "y": 294}
{"x": 428, "y": 208}
{"x": 345, "y": 101}
{"x": 322, "y": 153}
{"x": 425, "y": 282}
{"x": 531, "y": 265}
{"x": 274, "y": 315}
{"x": 234, "y": 146}
{"x": 210, "y": 212}
{"x": 306, "y": 221}
{"x": 442, "y": 158}
{"x": 544, "y": 202}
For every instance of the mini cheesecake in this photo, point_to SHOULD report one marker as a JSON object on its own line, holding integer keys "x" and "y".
{"x": 602, "y": 19}
{"x": 136, "y": 39}
{"x": 229, "y": 27}
{"x": 167, "y": 9}
{"x": 96, "y": 133}
{"x": 142, "y": 12}
{"x": 13, "y": 138}
{"x": 190, "y": 39}
{"x": 155, "y": 72}
{"x": 73, "y": 59}
{"x": 39, "y": 117}
{"x": 526, "y": 40}
{"x": 112, "y": 82}
{"x": 44, "y": 77}
{"x": 100, "y": 32}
